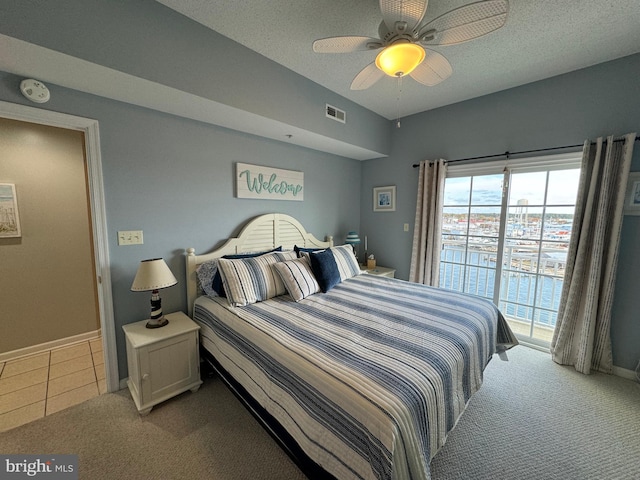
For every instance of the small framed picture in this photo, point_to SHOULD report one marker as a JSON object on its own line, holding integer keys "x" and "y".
{"x": 632, "y": 201}
{"x": 9, "y": 219}
{"x": 384, "y": 199}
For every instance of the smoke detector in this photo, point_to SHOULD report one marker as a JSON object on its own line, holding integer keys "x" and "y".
{"x": 35, "y": 91}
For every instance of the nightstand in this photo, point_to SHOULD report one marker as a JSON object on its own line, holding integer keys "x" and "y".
{"x": 163, "y": 362}
{"x": 380, "y": 271}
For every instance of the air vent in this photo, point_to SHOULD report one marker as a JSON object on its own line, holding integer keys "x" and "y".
{"x": 336, "y": 114}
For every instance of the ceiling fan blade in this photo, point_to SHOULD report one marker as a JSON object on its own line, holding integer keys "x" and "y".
{"x": 346, "y": 44}
{"x": 465, "y": 23}
{"x": 367, "y": 77}
{"x": 434, "y": 69}
{"x": 409, "y": 11}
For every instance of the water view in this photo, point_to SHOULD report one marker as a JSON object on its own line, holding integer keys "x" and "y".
{"x": 523, "y": 274}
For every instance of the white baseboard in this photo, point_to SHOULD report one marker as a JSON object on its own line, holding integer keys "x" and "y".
{"x": 617, "y": 371}
{"x": 43, "y": 347}
{"x": 624, "y": 373}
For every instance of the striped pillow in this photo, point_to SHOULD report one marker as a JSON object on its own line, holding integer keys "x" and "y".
{"x": 216, "y": 284}
{"x": 251, "y": 280}
{"x": 346, "y": 261}
{"x": 297, "y": 277}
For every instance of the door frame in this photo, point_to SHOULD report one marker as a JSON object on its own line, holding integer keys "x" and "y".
{"x": 91, "y": 132}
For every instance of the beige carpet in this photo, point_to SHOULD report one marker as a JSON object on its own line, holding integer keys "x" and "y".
{"x": 202, "y": 435}
{"x": 532, "y": 419}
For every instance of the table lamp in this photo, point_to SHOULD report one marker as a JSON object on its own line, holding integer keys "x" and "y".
{"x": 354, "y": 240}
{"x": 152, "y": 275}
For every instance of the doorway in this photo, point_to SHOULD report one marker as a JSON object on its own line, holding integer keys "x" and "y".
{"x": 95, "y": 193}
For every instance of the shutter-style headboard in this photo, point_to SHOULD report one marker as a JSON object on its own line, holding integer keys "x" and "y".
{"x": 259, "y": 234}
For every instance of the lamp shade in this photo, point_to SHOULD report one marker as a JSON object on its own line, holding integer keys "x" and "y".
{"x": 400, "y": 59}
{"x": 352, "y": 238}
{"x": 153, "y": 274}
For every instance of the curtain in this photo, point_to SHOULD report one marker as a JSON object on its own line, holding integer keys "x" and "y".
{"x": 582, "y": 334}
{"x": 427, "y": 230}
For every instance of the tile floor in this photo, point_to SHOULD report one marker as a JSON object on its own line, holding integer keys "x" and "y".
{"x": 41, "y": 384}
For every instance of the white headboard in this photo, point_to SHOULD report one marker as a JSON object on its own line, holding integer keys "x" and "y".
{"x": 259, "y": 234}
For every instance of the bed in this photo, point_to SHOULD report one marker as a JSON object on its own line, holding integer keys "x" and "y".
{"x": 363, "y": 381}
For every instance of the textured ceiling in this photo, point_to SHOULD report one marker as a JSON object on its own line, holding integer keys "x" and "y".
{"x": 541, "y": 39}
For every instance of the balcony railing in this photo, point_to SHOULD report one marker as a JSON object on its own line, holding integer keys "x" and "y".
{"x": 530, "y": 285}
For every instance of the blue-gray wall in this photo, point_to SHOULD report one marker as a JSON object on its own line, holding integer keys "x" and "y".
{"x": 564, "y": 110}
{"x": 145, "y": 39}
{"x": 174, "y": 179}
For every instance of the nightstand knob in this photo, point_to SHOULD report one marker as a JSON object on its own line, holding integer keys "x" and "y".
{"x": 145, "y": 376}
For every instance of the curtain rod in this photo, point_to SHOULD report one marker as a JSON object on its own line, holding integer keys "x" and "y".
{"x": 508, "y": 154}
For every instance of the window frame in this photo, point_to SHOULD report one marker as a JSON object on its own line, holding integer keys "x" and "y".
{"x": 508, "y": 167}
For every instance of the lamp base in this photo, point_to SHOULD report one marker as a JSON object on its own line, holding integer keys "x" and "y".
{"x": 157, "y": 319}
{"x": 157, "y": 322}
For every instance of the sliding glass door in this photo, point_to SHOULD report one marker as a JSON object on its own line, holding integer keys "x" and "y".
{"x": 505, "y": 236}
{"x": 471, "y": 220}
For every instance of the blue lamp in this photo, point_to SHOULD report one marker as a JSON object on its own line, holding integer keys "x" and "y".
{"x": 354, "y": 240}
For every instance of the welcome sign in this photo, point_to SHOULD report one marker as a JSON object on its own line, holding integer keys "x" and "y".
{"x": 254, "y": 181}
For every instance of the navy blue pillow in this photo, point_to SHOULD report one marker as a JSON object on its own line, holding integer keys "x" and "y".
{"x": 217, "y": 285}
{"x": 325, "y": 269}
{"x": 302, "y": 249}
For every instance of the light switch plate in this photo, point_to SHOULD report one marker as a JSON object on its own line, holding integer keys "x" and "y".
{"x": 130, "y": 237}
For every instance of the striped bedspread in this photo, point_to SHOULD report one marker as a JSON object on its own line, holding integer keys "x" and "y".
{"x": 368, "y": 378}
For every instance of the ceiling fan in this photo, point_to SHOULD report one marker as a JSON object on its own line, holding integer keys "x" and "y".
{"x": 403, "y": 37}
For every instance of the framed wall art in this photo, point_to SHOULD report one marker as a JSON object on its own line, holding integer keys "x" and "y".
{"x": 384, "y": 199}
{"x": 9, "y": 218}
{"x": 632, "y": 199}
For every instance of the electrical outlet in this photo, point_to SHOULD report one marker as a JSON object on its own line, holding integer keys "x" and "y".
{"x": 130, "y": 237}
{"x": 406, "y": 227}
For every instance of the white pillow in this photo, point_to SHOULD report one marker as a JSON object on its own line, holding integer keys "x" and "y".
{"x": 297, "y": 277}
{"x": 251, "y": 280}
{"x": 346, "y": 261}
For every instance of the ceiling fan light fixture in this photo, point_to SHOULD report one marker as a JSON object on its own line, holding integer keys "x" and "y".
{"x": 400, "y": 59}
